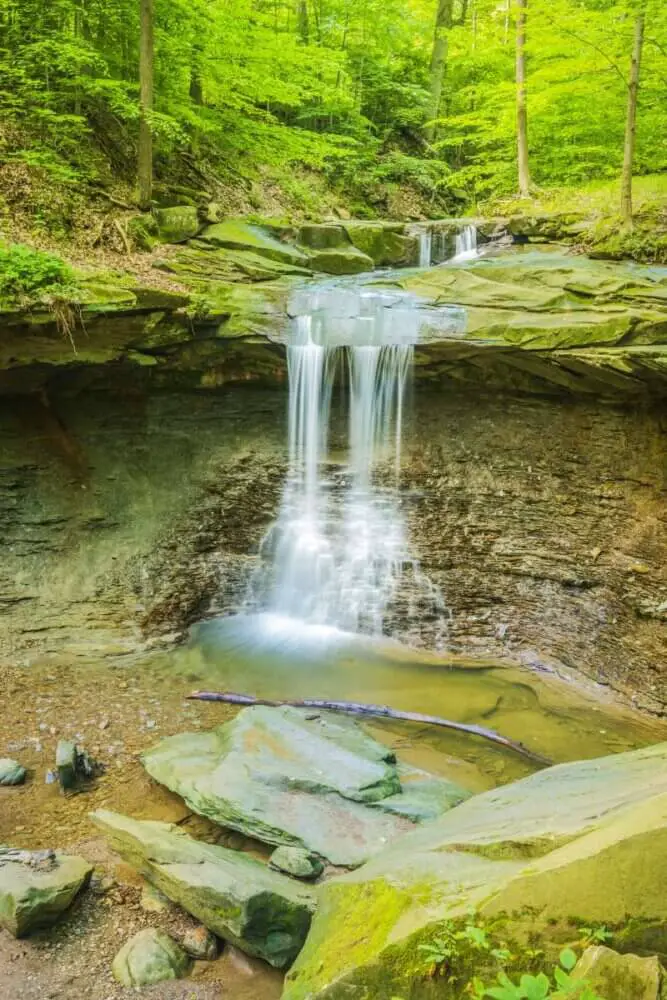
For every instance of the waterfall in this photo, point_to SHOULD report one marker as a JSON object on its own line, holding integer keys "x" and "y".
{"x": 425, "y": 243}
{"x": 339, "y": 549}
{"x": 466, "y": 243}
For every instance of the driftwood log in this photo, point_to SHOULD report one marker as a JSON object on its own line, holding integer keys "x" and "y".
{"x": 376, "y": 711}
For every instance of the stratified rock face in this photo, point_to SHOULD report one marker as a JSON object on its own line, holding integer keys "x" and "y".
{"x": 239, "y": 235}
{"x": 340, "y": 260}
{"x": 571, "y": 841}
{"x": 285, "y": 778}
{"x": 263, "y": 913}
{"x": 11, "y": 772}
{"x": 619, "y": 977}
{"x": 34, "y": 893}
{"x": 151, "y": 956}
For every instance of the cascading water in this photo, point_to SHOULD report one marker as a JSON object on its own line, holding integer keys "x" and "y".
{"x": 466, "y": 244}
{"x": 425, "y": 247}
{"x": 339, "y": 549}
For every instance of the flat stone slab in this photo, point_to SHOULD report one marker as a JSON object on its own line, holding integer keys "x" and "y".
{"x": 35, "y": 891}
{"x": 263, "y": 913}
{"x": 287, "y": 777}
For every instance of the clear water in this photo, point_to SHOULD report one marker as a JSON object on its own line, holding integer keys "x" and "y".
{"x": 338, "y": 551}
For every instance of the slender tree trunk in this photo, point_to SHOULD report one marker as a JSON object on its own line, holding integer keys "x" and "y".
{"x": 303, "y": 22}
{"x": 521, "y": 108}
{"x": 146, "y": 103}
{"x": 443, "y": 24}
{"x": 631, "y": 122}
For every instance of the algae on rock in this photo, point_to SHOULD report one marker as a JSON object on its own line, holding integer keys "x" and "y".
{"x": 568, "y": 842}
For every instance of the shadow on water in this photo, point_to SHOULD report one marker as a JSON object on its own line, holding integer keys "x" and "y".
{"x": 274, "y": 657}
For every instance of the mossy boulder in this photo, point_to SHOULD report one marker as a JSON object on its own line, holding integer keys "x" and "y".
{"x": 285, "y": 778}
{"x": 203, "y": 262}
{"x": 235, "y": 234}
{"x": 177, "y": 224}
{"x": 323, "y": 236}
{"x": 620, "y": 977}
{"x": 570, "y": 842}
{"x": 143, "y": 231}
{"x": 241, "y": 900}
{"x": 34, "y": 892}
{"x": 340, "y": 260}
{"x": 151, "y": 956}
{"x": 296, "y": 862}
{"x": 386, "y": 243}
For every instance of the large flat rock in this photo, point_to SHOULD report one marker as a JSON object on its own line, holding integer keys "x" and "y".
{"x": 286, "y": 777}
{"x": 586, "y": 840}
{"x": 241, "y": 900}
{"x": 34, "y": 892}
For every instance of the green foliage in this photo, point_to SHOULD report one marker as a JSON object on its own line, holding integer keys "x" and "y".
{"x": 540, "y": 986}
{"x": 463, "y": 953}
{"x": 31, "y": 273}
{"x": 246, "y": 88}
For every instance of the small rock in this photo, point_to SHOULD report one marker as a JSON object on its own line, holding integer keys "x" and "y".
{"x": 66, "y": 763}
{"x": 151, "y": 956}
{"x": 11, "y": 772}
{"x": 104, "y": 724}
{"x": 619, "y": 977}
{"x": 35, "y": 887}
{"x": 297, "y": 862}
{"x": 200, "y": 943}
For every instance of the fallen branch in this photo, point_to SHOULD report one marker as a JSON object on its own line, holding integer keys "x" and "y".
{"x": 123, "y": 236}
{"x": 381, "y": 711}
{"x": 114, "y": 201}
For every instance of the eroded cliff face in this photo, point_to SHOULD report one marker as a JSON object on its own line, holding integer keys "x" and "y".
{"x": 127, "y": 516}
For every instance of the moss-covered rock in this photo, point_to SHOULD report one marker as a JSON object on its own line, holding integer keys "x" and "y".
{"x": 263, "y": 913}
{"x": 323, "y": 236}
{"x": 568, "y": 843}
{"x": 205, "y": 263}
{"x": 151, "y": 956}
{"x": 620, "y": 977}
{"x": 296, "y": 862}
{"x": 386, "y": 243}
{"x": 340, "y": 260}
{"x": 34, "y": 892}
{"x": 235, "y": 234}
{"x": 177, "y": 224}
{"x": 143, "y": 231}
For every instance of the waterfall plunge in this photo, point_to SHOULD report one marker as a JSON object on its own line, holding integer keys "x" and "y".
{"x": 339, "y": 550}
{"x": 466, "y": 244}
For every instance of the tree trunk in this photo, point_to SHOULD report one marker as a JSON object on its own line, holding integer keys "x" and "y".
{"x": 521, "y": 108}
{"x": 443, "y": 24}
{"x": 146, "y": 103}
{"x": 631, "y": 122}
{"x": 303, "y": 22}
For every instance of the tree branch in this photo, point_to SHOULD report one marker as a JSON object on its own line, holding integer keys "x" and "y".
{"x": 381, "y": 711}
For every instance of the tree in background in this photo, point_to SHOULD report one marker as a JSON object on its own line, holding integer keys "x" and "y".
{"x": 521, "y": 106}
{"x": 631, "y": 120}
{"x": 145, "y": 157}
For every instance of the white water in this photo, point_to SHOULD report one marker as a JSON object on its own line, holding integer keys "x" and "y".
{"x": 466, "y": 244}
{"x": 425, "y": 248}
{"x": 339, "y": 548}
